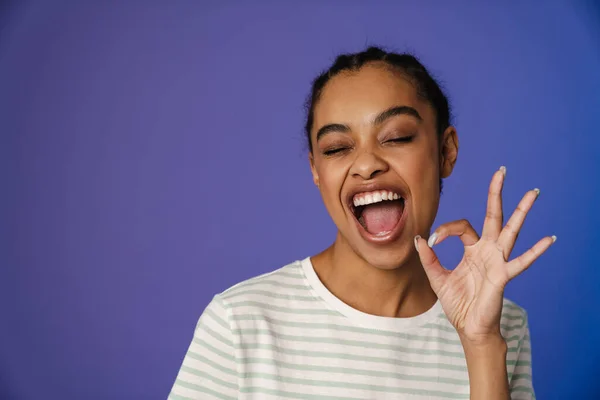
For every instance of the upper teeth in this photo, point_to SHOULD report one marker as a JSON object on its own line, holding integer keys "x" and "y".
{"x": 377, "y": 196}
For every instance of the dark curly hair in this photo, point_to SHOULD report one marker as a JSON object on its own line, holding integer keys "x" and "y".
{"x": 427, "y": 87}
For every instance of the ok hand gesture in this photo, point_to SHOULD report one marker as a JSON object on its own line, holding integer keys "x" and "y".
{"x": 472, "y": 294}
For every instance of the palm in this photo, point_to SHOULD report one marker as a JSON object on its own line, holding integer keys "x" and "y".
{"x": 471, "y": 295}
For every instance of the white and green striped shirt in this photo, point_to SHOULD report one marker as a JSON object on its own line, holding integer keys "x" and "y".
{"x": 283, "y": 335}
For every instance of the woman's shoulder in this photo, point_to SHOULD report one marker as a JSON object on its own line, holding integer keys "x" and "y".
{"x": 513, "y": 321}
{"x": 284, "y": 283}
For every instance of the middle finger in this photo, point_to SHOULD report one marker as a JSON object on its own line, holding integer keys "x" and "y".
{"x": 493, "y": 215}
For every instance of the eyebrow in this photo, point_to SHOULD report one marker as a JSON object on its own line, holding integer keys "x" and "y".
{"x": 381, "y": 118}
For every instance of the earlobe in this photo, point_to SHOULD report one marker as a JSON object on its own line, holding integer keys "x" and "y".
{"x": 448, "y": 152}
{"x": 313, "y": 169}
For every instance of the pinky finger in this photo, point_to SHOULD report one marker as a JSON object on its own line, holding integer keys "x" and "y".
{"x": 524, "y": 261}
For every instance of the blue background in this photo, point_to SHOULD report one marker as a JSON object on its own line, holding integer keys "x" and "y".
{"x": 151, "y": 155}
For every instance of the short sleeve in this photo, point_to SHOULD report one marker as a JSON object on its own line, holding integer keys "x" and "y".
{"x": 521, "y": 384}
{"x": 209, "y": 368}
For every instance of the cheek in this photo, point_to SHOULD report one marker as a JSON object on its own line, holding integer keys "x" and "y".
{"x": 421, "y": 173}
{"x": 420, "y": 168}
{"x": 331, "y": 180}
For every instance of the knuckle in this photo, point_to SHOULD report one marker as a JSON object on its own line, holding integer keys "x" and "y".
{"x": 534, "y": 252}
{"x": 521, "y": 210}
{"x": 492, "y": 214}
{"x": 511, "y": 229}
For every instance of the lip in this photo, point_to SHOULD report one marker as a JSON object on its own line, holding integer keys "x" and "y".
{"x": 395, "y": 233}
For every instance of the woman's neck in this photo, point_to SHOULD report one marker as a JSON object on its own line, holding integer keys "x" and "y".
{"x": 400, "y": 292}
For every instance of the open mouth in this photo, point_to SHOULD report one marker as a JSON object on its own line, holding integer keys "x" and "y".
{"x": 378, "y": 212}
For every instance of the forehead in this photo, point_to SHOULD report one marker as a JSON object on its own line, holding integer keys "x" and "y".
{"x": 358, "y": 96}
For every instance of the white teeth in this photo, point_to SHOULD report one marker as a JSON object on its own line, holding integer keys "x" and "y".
{"x": 363, "y": 199}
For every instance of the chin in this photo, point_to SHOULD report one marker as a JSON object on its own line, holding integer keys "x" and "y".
{"x": 387, "y": 257}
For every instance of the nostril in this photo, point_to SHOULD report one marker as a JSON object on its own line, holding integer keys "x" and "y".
{"x": 375, "y": 173}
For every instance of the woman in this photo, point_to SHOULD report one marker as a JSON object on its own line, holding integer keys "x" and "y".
{"x": 375, "y": 315}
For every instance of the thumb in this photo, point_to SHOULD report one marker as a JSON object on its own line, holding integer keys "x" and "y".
{"x": 436, "y": 274}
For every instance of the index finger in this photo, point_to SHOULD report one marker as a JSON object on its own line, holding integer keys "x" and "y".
{"x": 461, "y": 228}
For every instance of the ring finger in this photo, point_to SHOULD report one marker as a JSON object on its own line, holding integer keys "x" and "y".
{"x": 509, "y": 233}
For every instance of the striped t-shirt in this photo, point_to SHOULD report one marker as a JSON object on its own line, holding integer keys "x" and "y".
{"x": 284, "y": 335}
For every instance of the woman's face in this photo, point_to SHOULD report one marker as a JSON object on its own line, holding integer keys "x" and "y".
{"x": 377, "y": 161}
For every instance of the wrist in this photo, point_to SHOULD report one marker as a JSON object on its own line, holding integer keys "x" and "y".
{"x": 483, "y": 343}
{"x": 486, "y": 365}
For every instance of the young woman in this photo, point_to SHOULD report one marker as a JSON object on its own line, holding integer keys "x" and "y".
{"x": 375, "y": 315}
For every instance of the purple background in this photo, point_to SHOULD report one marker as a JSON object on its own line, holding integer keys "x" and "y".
{"x": 152, "y": 156}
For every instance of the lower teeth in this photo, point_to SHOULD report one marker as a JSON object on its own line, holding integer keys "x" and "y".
{"x": 382, "y": 233}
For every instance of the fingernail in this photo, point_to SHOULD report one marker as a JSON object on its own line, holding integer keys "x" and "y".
{"x": 503, "y": 170}
{"x": 553, "y": 238}
{"x": 417, "y": 242}
{"x": 537, "y": 193}
{"x": 432, "y": 239}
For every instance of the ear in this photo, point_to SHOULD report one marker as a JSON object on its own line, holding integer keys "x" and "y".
{"x": 448, "y": 151}
{"x": 313, "y": 169}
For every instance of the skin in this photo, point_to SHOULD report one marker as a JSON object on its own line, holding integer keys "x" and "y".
{"x": 403, "y": 277}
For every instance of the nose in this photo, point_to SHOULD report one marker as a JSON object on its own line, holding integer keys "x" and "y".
{"x": 368, "y": 165}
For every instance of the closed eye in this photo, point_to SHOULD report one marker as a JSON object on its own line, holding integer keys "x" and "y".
{"x": 405, "y": 139}
{"x": 334, "y": 151}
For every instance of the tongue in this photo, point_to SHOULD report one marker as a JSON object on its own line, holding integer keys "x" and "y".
{"x": 382, "y": 217}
